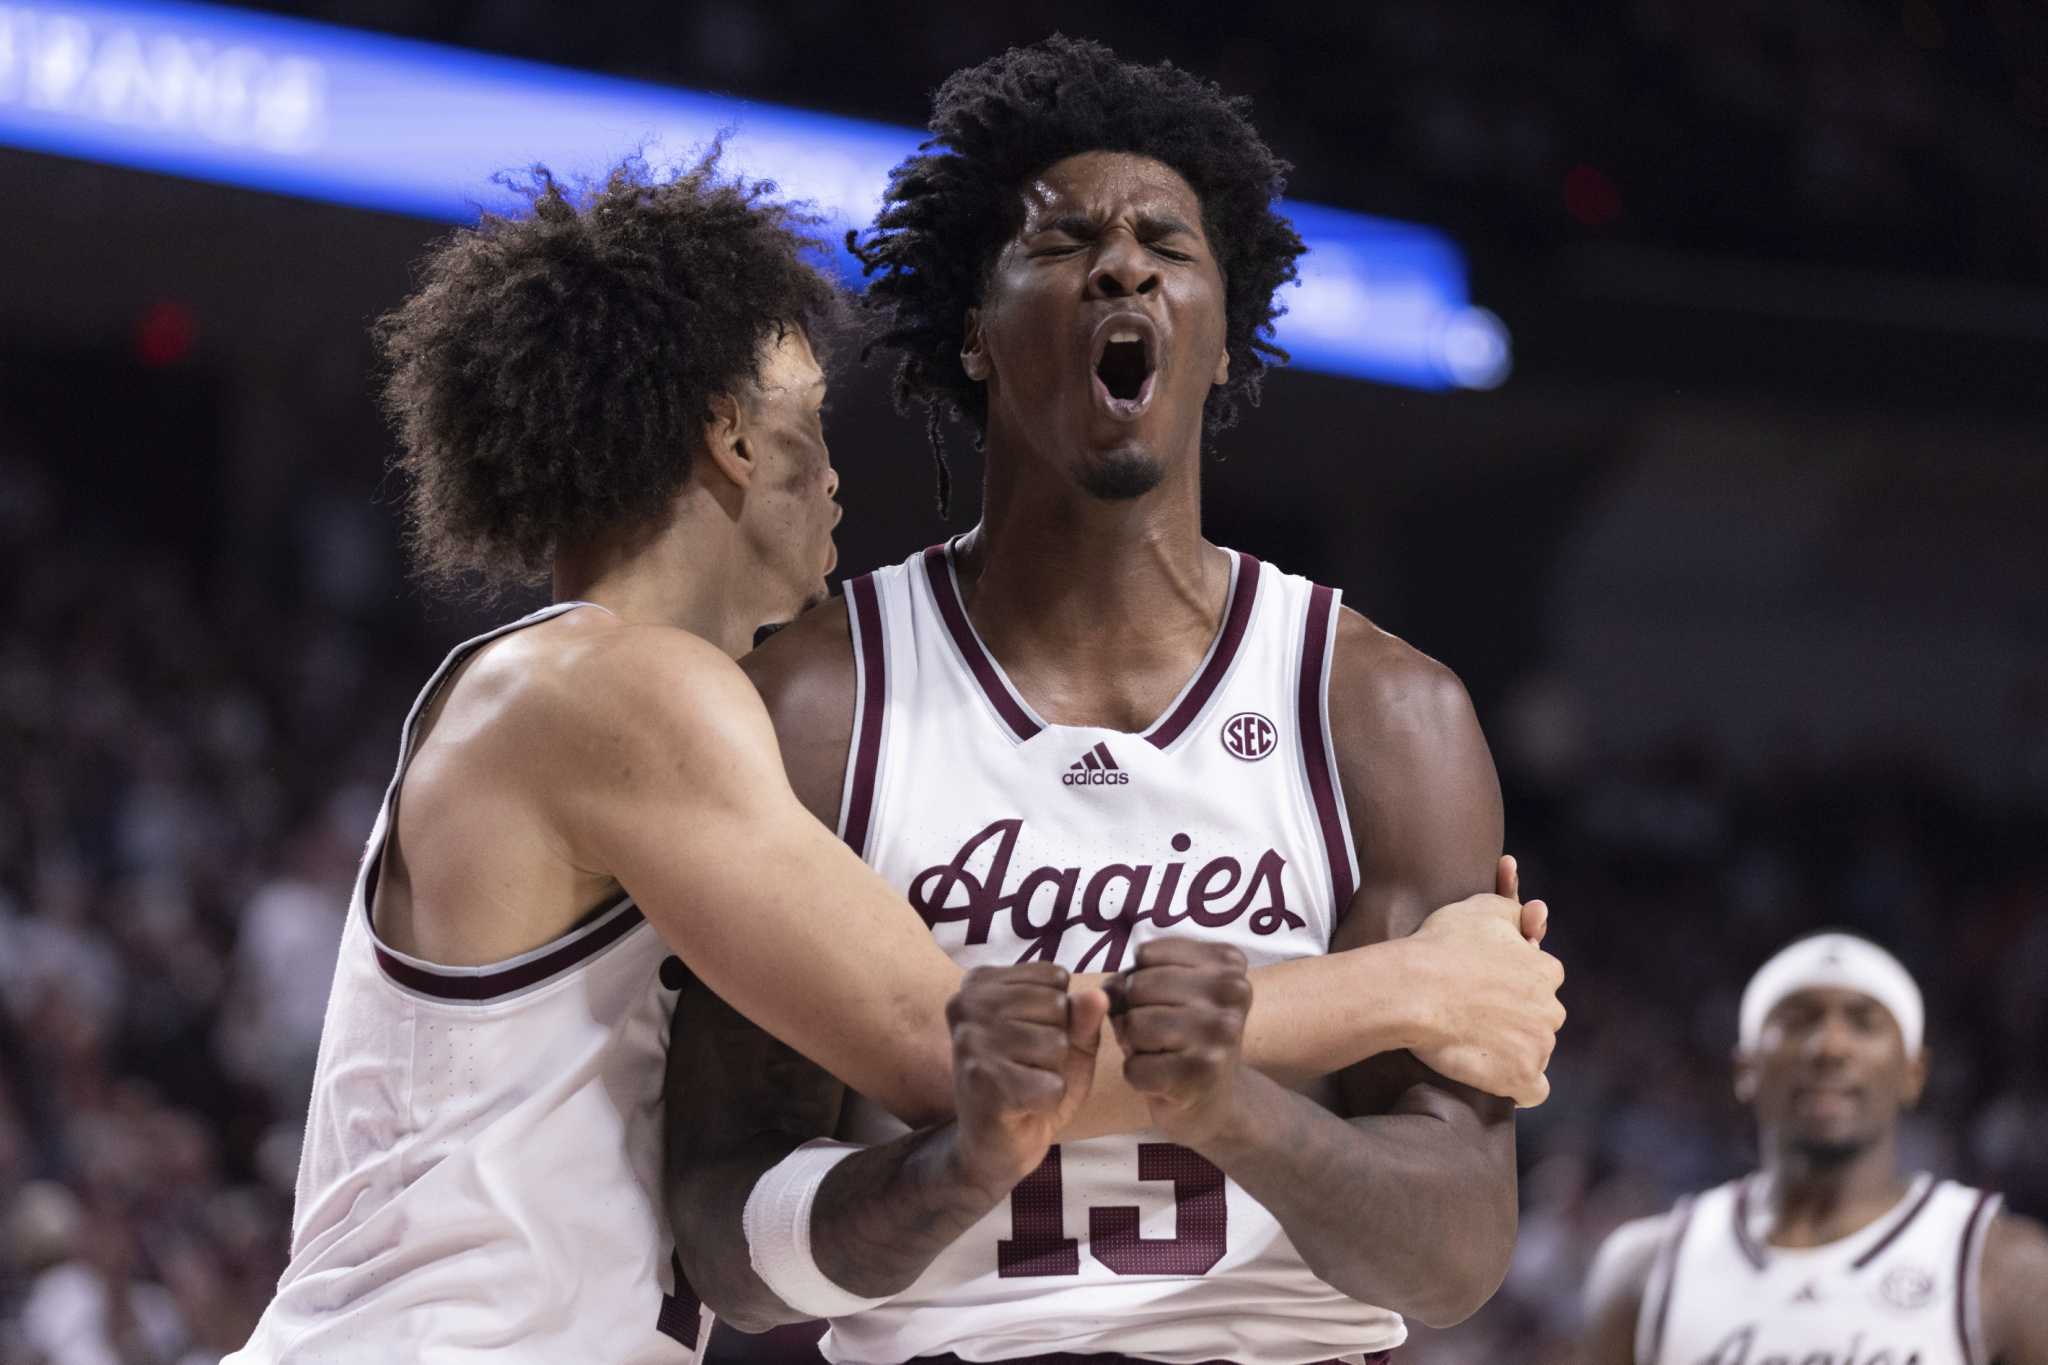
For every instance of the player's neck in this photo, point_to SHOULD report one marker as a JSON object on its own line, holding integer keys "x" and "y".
{"x": 1052, "y": 566}
{"x": 683, "y": 574}
{"x": 1814, "y": 1202}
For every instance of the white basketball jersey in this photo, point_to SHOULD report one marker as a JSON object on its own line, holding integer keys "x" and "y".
{"x": 481, "y": 1176}
{"x": 1903, "y": 1291}
{"x": 1022, "y": 841}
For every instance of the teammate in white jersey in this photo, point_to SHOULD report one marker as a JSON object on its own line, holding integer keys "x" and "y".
{"x": 621, "y": 396}
{"x": 1080, "y": 727}
{"x": 1829, "y": 1255}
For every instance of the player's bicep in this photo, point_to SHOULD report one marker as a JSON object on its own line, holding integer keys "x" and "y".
{"x": 737, "y": 1102}
{"x": 2015, "y": 1291}
{"x": 1425, "y": 810}
{"x": 763, "y": 904}
{"x": 733, "y": 1089}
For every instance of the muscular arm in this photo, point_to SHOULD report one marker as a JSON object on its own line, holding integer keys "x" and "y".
{"x": 739, "y": 1102}
{"x": 660, "y": 769}
{"x": 1312, "y": 1017}
{"x": 885, "y": 1214}
{"x": 1614, "y": 1292}
{"x": 1409, "y": 1201}
{"x": 2015, "y": 1291}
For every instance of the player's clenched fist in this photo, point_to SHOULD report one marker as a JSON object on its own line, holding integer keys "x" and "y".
{"x": 1179, "y": 1017}
{"x": 1023, "y": 1062}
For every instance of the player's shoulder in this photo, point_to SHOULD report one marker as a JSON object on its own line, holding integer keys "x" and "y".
{"x": 586, "y": 686}
{"x": 807, "y": 678}
{"x": 807, "y": 661}
{"x": 1620, "y": 1273}
{"x": 2016, "y": 1253}
{"x": 1385, "y": 690}
{"x": 2013, "y": 1274}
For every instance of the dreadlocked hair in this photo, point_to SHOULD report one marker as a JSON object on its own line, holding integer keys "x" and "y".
{"x": 950, "y": 208}
{"x": 552, "y": 374}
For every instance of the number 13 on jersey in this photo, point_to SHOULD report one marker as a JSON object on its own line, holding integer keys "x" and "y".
{"x": 1038, "y": 1244}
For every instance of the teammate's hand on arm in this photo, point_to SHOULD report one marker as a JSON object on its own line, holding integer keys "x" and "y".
{"x": 1024, "y": 1056}
{"x": 1496, "y": 1012}
{"x": 1405, "y": 1197}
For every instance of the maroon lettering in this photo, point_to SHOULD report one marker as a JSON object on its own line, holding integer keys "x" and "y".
{"x": 1204, "y": 890}
{"x": 1036, "y": 1245}
{"x": 1201, "y": 1217}
{"x": 1161, "y": 911}
{"x": 974, "y": 889}
{"x": 1045, "y": 937}
{"x": 1114, "y": 926}
{"x": 931, "y": 891}
{"x": 1274, "y": 915}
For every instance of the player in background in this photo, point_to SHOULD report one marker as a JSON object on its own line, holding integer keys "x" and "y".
{"x": 1082, "y": 726}
{"x": 1830, "y": 1253}
{"x": 621, "y": 398}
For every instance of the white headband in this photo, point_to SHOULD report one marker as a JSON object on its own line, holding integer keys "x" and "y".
{"x": 1839, "y": 960}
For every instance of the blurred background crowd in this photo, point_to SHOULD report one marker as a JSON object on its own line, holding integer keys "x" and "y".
{"x": 1743, "y": 566}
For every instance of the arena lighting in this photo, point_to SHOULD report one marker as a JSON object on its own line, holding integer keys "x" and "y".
{"x": 386, "y": 123}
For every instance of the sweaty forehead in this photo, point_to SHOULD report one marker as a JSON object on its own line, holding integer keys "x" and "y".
{"x": 1101, "y": 186}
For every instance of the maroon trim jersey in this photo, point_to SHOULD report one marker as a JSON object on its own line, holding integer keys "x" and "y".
{"x": 1019, "y": 841}
{"x": 481, "y": 1174}
{"x": 1902, "y": 1291}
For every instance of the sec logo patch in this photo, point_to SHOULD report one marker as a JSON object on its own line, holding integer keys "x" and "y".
{"x": 1907, "y": 1287}
{"x": 1249, "y": 736}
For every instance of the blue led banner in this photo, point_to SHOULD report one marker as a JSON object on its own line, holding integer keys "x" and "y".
{"x": 379, "y": 122}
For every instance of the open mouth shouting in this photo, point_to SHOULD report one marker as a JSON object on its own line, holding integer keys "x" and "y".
{"x": 1125, "y": 354}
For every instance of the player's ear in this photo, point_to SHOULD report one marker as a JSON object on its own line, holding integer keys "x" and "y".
{"x": 1745, "y": 1078}
{"x": 1222, "y": 368}
{"x": 973, "y": 350}
{"x": 1916, "y": 1077}
{"x": 725, "y": 441}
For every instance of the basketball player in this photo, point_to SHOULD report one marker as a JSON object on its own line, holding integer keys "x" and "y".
{"x": 1830, "y": 1255}
{"x": 1082, "y": 726}
{"x": 622, "y": 397}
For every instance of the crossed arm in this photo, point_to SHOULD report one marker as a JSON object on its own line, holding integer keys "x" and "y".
{"x": 1422, "y": 1214}
{"x": 670, "y": 779}
{"x": 1405, "y": 1196}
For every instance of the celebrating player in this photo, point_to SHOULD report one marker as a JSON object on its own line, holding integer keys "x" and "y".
{"x": 623, "y": 397}
{"x": 1830, "y": 1252}
{"x": 1081, "y": 727}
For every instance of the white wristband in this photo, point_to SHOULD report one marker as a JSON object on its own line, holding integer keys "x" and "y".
{"x": 778, "y": 1228}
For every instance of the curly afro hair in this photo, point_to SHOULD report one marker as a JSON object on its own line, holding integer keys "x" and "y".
{"x": 550, "y": 377}
{"x": 949, "y": 209}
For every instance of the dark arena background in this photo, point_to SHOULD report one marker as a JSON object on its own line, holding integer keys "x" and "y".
{"x": 1676, "y": 373}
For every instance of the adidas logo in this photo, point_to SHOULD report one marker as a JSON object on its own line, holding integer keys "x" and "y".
{"x": 1096, "y": 769}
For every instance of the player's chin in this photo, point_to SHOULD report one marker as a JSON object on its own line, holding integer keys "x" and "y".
{"x": 1122, "y": 473}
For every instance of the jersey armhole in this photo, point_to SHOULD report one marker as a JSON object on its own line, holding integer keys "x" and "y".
{"x": 1319, "y": 751}
{"x": 1656, "y": 1305}
{"x": 870, "y": 705}
{"x": 1970, "y": 1277}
